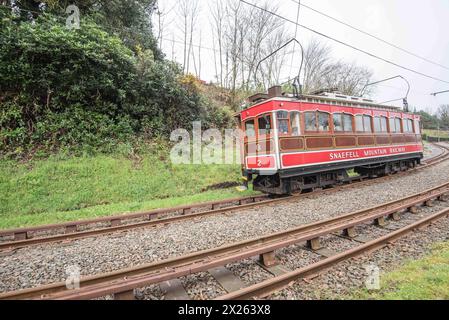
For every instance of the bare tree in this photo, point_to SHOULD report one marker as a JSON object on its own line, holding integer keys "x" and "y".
{"x": 161, "y": 13}
{"x": 194, "y": 12}
{"x": 187, "y": 11}
{"x": 217, "y": 9}
{"x": 183, "y": 12}
{"x": 348, "y": 78}
{"x": 243, "y": 35}
{"x": 262, "y": 25}
{"x": 270, "y": 70}
{"x": 317, "y": 63}
{"x": 321, "y": 71}
{"x": 443, "y": 116}
{"x": 233, "y": 42}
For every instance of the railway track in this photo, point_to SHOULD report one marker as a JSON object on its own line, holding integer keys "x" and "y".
{"x": 122, "y": 283}
{"x": 24, "y": 237}
{"x": 270, "y": 286}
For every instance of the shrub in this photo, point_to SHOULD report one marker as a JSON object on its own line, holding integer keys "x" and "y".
{"x": 84, "y": 89}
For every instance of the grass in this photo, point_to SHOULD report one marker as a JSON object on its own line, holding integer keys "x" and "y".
{"x": 55, "y": 190}
{"x": 436, "y": 133}
{"x": 425, "y": 279}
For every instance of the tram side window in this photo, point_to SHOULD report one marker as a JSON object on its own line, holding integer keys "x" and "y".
{"x": 317, "y": 121}
{"x": 377, "y": 124}
{"x": 397, "y": 121}
{"x": 383, "y": 121}
{"x": 367, "y": 123}
{"x": 347, "y": 123}
{"x": 310, "y": 121}
{"x": 406, "y": 125}
{"x": 250, "y": 128}
{"x": 323, "y": 121}
{"x": 392, "y": 126}
{"x": 380, "y": 124}
{"x": 409, "y": 126}
{"x": 359, "y": 123}
{"x": 417, "y": 127}
{"x": 264, "y": 125}
{"x": 338, "y": 123}
{"x": 282, "y": 120}
{"x": 363, "y": 123}
{"x": 342, "y": 122}
{"x": 295, "y": 123}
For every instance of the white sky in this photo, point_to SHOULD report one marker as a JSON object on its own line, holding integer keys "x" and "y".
{"x": 418, "y": 26}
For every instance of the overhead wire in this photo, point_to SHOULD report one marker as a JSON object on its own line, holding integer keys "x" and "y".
{"x": 344, "y": 43}
{"x": 369, "y": 34}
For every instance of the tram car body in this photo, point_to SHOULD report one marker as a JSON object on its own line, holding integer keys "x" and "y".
{"x": 295, "y": 144}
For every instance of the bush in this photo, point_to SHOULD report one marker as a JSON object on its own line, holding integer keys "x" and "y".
{"x": 85, "y": 89}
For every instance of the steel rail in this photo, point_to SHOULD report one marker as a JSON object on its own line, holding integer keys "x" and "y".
{"x": 270, "y": 286}
{"x": 116, "y": 221}
{"x": 125, "y": 280}
{"x": 438, "y": 158}
{"x": 71, "y": 226}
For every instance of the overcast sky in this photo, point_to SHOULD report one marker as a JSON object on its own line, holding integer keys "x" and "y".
{"x": 418, "y": 26}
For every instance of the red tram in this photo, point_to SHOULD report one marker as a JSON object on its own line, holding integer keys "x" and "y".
{"x": 295, "y": 144}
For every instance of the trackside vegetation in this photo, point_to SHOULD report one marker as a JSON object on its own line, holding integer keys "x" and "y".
{"x": 425, "y": 279}
{"x": 88, "y": 90}
{"x": 61, "y": 189}
{"x": 85, "y": 116}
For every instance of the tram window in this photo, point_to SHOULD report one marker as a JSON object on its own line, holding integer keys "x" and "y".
{"x": 338, "y": 123}
{"x": 383, "y": 122}
{"x": 377, "y": 124}
{"x": 363, "y": 123}
{"x": 380, "y": 124}
{"x": 342, "y": 122}
{"x": 264, "y": 125}
{"x": 359, "y": 123}
{"x": 417, "y": 127}
{"x": 282, "y": 121}
{"x": 397, "y": 121}
{"x": 347, "y": 123}
{"x": 282, "y": 115}
{"x": 317, "y": 121}
{"x": 250, "y": 128}
{"x": 295, "y": 123}
{"x": 310, "y": 121}
{"x": 367, "y": 123}
{"x": 405, "y": 124}
{"x": 409, "y": 125}
{"x": 323, "y": 121}
{"x": 283, "y": 126}
{"x": 392, "y": 126}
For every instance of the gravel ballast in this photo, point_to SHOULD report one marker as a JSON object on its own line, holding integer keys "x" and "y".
{"x": 340, "y": 281}
{"x": 44, "y": 264}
